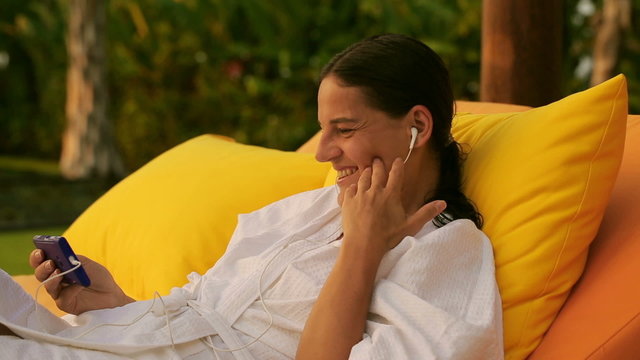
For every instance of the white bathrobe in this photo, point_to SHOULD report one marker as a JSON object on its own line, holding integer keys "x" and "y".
{"x": 435, "y": 298}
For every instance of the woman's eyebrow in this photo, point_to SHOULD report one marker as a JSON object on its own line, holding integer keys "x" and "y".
{"x": 340, "y": 120}
{"x": 343, "y": 120}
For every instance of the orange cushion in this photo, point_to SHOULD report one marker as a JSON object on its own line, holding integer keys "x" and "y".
{"x": 601, "y": 318}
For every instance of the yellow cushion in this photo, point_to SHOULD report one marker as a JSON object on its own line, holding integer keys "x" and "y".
{"x": 176, "y": 214}
{"x": 542, "y": 179}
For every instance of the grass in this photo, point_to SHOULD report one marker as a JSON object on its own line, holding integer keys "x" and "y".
{"x": 15, "y": 246}
{"x": 23, "y": 164}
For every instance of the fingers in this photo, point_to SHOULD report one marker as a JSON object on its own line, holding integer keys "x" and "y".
{"x": 364, "y": 182}
{"x": 426, "y": 213}
{"x": 350, "y": 191}
{"x": 378, "y": 174}
{"x": 44, "y": 270}
{"x": 36, "y": 258}
{"x": 392, "y": 180}
{"x": 376, "y": 177}
{"x": 54, "y": 286}
{"x": 396, "y": 176}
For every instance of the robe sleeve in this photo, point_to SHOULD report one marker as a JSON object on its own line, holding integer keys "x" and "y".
{"x": 436, "y": 298}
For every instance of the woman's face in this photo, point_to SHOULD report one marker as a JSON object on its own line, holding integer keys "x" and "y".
{"x": 353, "y": 133}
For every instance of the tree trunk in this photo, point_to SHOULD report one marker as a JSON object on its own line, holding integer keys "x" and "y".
{"x": 616, "y": 16}
{"x": 521, "y": 51}
{"x": 88, "y": 144}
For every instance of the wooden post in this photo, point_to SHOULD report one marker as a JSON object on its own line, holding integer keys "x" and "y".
{"x": 615, "y": 19}
{"x": 88, "y": 143}
{"x": 521, "y": 51}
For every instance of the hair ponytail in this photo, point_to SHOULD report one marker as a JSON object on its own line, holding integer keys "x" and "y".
{"x": 449, "y": 188}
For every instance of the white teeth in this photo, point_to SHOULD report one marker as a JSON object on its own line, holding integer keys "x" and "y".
{"x": 346, "y": 172}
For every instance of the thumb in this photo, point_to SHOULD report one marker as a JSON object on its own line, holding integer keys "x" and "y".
{"x": 426, "y": 213}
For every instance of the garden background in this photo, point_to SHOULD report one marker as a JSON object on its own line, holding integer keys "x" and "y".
{"x": 242, "y": 68}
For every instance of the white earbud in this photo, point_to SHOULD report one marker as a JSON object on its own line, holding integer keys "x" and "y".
{"x": 414, "y": 136}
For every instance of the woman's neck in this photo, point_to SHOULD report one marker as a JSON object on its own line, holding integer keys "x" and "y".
{"x": 420, "y": 181}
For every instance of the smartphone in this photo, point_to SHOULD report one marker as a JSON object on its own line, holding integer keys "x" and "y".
{"x": 57, "y": 248}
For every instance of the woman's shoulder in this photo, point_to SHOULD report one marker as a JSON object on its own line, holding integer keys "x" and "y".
{"x": 431, "y": 260}
{"x": 459, "y": 233}
{"x": 452, "y": 228}
{"x": 462, "y": 225}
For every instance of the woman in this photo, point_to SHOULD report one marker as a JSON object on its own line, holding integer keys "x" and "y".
{"x": 367, "y": 277}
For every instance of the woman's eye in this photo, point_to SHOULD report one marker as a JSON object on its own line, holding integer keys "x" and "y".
{"x": 345, "y": 131}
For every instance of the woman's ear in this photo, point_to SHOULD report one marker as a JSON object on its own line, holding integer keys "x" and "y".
{"x": 420, "y": 117}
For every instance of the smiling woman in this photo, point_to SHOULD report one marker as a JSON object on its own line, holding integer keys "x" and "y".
{"x": 380, "y": 273}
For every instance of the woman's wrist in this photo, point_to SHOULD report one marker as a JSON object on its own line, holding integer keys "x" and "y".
{"x": 362, "y": 256}
{"x": 364, "y": 247}
{"x": 125, "y": 299}
{"x": 118, "y": 298}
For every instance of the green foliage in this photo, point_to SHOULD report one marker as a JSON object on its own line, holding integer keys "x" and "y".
{"x": 32, "y": 79}
{"x": 34, "y": 194}
{"x": 242, "y": 68}
{"x": 16, "y": 245}
{"x": 580, "y": 36}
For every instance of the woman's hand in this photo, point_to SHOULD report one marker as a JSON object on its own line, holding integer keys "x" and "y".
{"x": 373, "y": 215}
{"x": 75, "y": 299}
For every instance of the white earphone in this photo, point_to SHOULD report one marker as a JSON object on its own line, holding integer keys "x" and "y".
{"x": 414, "y": 136}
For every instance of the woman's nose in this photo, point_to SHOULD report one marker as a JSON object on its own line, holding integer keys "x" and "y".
{"x": 327, "y": 149}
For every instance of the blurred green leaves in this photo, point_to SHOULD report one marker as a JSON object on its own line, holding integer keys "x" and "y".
{"x": 242, "y": 68}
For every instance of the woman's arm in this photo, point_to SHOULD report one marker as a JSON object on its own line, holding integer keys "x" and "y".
{"x": 337, "y": 320}
{"x": 374, "y": 221}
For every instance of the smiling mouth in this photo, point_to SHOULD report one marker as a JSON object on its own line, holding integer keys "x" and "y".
{"x": 346, "y": 172}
